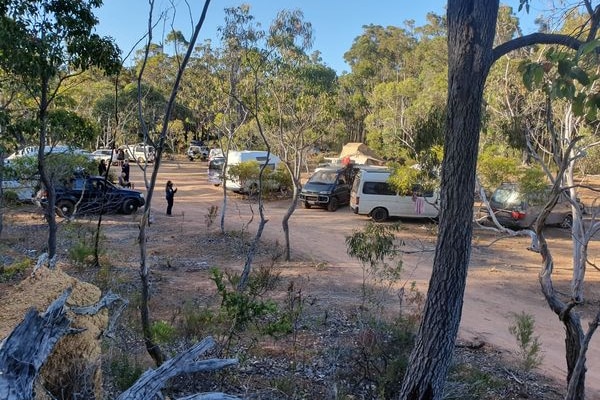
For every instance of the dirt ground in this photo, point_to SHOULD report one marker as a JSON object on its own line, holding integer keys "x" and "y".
{"x": 502, "y": 280}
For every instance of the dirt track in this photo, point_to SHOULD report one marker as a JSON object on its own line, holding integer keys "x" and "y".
{"x": 502, "y": 278}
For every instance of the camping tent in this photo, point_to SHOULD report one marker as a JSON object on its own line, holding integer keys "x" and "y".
{"x": 360, "y": 153}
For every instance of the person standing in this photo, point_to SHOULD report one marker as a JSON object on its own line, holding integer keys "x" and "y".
{"x": 169, "y": 195}
{"x": 125, "y": 169}
{"x": 120, "y": 156}
{"x": 102, "y": 168}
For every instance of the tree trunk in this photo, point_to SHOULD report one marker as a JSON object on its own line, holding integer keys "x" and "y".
{"x": 471, "y": 28}
{"x": 44, "y": 177}
{"x": 286, "y": 218}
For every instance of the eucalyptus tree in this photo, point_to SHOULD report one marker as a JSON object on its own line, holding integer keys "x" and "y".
{"x": 376, "y": 56}
{"x": 43, "y": 43}
{"x": 471, "y": 51}
{"x": 299, "y": 106}
{"x": 240, "y": 40}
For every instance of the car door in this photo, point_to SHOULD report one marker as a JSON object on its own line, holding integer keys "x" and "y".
{"x": 342, "y": 189}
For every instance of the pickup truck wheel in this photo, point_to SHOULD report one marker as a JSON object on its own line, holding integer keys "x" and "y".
{"x": 65, "y": 208}
{"x": 141, "y": 160}
{"x": 130, "y": 206}
{"x": 379, "y": 214}
{"x": 333, "y": 204}
{"x": 307, "y": 205}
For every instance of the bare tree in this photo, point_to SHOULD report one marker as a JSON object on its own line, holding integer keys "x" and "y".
{"x": 152, "y": 347}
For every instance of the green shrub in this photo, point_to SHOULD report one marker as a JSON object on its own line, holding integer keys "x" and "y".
{"x": 196, "y": 321}
{"x": 125, "y": 372}
{"x": 162, "y": 332}
{"x": 376, "y": 248}
{"x": 10, "y": 271}
{"x": 530, "y": 348}
{"x": 80, "y": 253}
{"x": 10, "y": 197}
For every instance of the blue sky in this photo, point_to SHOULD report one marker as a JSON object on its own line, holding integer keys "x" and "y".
{"x": 336, "y": 23}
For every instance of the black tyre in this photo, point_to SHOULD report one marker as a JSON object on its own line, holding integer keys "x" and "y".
{"x": 141, "y": 160}
{"x": 379, "y": 214}
{"x": 130, "y": 206}
{"x": 306, "y": 205}
{"x": 65, "y": 208}
{"x": 567, "y": 223}
{"x": 333, "y": 204}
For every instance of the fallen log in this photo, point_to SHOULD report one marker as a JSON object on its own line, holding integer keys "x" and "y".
{"x": 29, "y": 345}
{"x": 25, "y": 350}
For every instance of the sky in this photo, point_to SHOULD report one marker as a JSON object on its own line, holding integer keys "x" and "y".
{"x": 336, "y": 23}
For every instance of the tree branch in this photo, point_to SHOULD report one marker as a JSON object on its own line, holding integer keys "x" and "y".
{"x": 533, "y": 39}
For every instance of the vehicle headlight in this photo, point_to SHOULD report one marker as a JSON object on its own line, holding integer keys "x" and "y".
{"x": 142, "y": 195}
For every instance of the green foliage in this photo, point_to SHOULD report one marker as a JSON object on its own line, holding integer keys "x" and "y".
{"x": 247, "y": 173}
{"x": 473, "y": 383}
{"x": 408, "y": 179}
{"x": 494, "y": 168}
{"x": 533, "y": 182}
{"x": 82, "y": 237}
{"x": 375, "y": 247}
{"x": 381, "y": 356}
{"x": 281, "y": 177}
{"x": 523, "y": 329}
{"x": 568, "y": 76}
{"x": 196, "y": 321}
{"x": 17, "y": 268}
{"x": 162, "y": 332}
{"x": 590, "y": 164}
{"x": 80, "y": 252}
{"x": 125, "y": 371}
{"x": 10, "y": 197}
{"x": 244, "y": 307}
{"x": 244, "y": 172}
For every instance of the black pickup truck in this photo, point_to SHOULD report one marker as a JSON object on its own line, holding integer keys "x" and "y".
{"x": 93, "y": 195}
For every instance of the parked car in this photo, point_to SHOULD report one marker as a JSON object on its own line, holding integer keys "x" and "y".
{"x": 261, "y": 157}
{"x": 516, "y": 209}
{"x": 372, "y": 195}
{"x": 139, "y": 152}
{"x": 92, "y": 195}
{"x": 32, "y": 151}
{"x": 328, "y": 187}
{"x": 215, "y": 170}
{"x": 197, "y": 153}
{"x": 104, "y": 154}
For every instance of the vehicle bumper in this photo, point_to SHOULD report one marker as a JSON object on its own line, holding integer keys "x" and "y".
{"x": 315, "y": 199}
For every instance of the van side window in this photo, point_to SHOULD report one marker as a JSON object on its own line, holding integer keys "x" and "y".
{"x": 381, "y": 188}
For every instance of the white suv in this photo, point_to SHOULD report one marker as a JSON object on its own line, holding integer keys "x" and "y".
{"x": 139, "y": 152}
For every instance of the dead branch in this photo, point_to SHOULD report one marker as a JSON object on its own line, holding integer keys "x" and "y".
{"x": 152, "y": 381}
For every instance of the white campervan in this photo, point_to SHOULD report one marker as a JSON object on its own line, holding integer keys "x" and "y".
{"x": 238, "y": 157}
{"x": 372, "y": 195}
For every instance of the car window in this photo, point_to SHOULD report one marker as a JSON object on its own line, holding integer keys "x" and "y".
{"x": 380, "y": 188}
{"x": 323, "y": 177}
{"x": 506, "y": 197}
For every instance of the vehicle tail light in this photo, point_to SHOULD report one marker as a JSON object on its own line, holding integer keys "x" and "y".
{"x": 357, "y": 200}
{"x": 518, "y": 214}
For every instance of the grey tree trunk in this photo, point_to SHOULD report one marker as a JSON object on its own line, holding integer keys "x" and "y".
{"x": 471, "y": 29}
